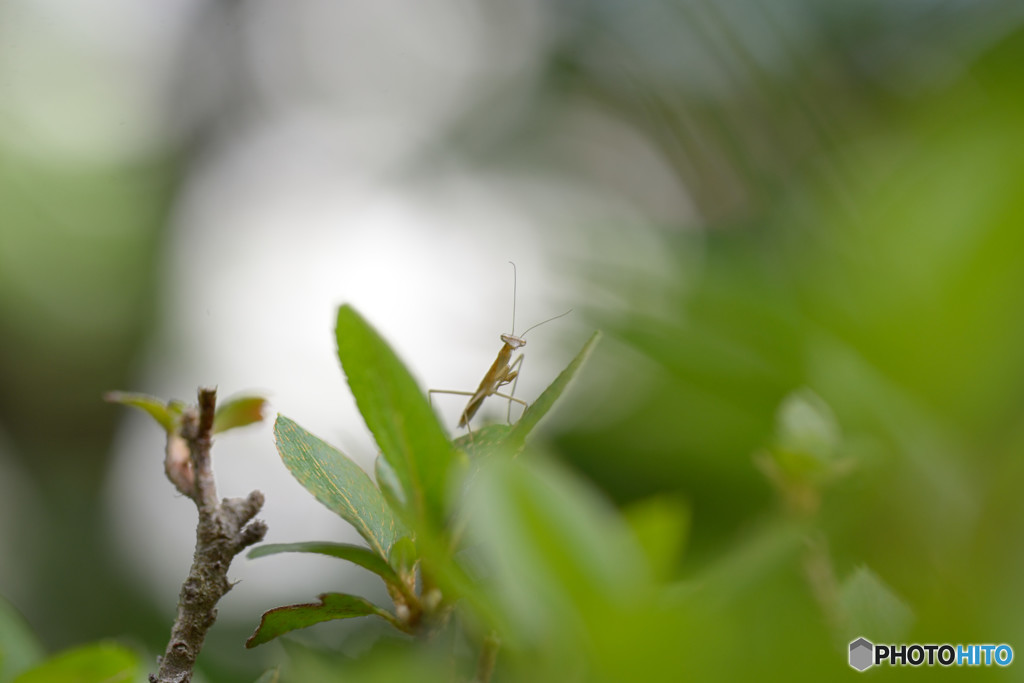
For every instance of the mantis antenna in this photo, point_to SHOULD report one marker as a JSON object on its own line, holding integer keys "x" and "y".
{"x": 514, "y": 283}
{"x": 515, "y": 279}
{"x": 560, "y": 315}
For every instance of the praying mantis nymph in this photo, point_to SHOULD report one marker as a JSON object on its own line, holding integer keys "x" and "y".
{"x": 501, "y": 372}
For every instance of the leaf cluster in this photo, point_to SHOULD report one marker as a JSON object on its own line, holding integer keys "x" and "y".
{"x": 412, "y": 516}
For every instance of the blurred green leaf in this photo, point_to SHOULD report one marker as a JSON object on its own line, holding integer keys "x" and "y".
{"x": 176, "y": 407}
{"x": 387, "y": 660}
{"x": 398, "y": 414}
{"x": 158, "y": 409}
{"x": 539, "y": 408}
{"x": 403, "y": 555}
{"x": 661, "y": 525}
{"x": 238, "y": 412}
{"x": 459, "y": 580}
{"x": 807, "y": 433}
{"x": 272, "y": 676}
{"x": 555, "y": 550}
{"x": 19, "y": 647}
{"x": 338, "y": 483}
{"x": 763, "y": 551}
{"x": 871, "y": 608}
{"x": 389, "y": 485}
{"x": 96, "y": 663}
{"x": 331, "y": 606}
{"x": 357, "y": 554}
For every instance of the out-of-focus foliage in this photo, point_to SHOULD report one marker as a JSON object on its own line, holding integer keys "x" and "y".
{"x": 841, "y": 217}
{"x": 19, "y": 647}
{"x": 82, "y": 199}
{"x": 896, "y": 297}
{"x": 98, "y": 663}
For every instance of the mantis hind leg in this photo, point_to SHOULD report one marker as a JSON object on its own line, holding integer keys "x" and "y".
{"x": 431, "y": 392}
{"x": 520, "y": 401}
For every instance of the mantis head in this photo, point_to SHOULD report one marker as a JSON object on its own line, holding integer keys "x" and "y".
{"x": 513, "y": 341}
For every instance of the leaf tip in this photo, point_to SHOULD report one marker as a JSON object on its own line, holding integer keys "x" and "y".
{"x": 239, "y": 411}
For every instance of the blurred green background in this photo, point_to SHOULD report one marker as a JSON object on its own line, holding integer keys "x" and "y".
{"x": 749, "y": 198}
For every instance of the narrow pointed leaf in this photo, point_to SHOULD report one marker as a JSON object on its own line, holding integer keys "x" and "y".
{"x": 238, "y": 412}
{"x": 357, "y": 554}
{"x": 483, "y": 441}
{"x": 156, "y": 408}
{"x": 338, "y": 483}
{"x": 398, "y": 415}
{"x": 544, "y": 402}
{"x": 332, "y": 606}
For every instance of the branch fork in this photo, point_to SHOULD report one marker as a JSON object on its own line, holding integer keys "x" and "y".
{"x": 225, "y": 528}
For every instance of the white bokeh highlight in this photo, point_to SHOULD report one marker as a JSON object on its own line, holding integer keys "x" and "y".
{"x": 307, "y": 201}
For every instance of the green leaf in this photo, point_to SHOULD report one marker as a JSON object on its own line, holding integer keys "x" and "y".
{"x": 483, "y": 441}
{"x": 403, "y": 555}
{"x": 398, "y": 414}
{"x": 96, "y": 663}
{"x": 19, "y": 647}
{"x": 158, "y": 410}
{"x": 331, "y": 606}
{"x": 176, "y": 407}
{"x": 557, "y": 553}
{"x": 872, "y": 610}
{"x": 385, "y": 660}
{"x": 338, "y": 483}
{"x": 271, "y": 676}
{"x": 661, "y": 524}
{"x": 458, "y": 582}
{"x": 357, "y": 554}
{"x": 389, "y": 485}
{"x": 546, "y": 400}
{"x": 746, "y": 564}
{"x": 238, "y": 412}
{"x": 807, "y": 433}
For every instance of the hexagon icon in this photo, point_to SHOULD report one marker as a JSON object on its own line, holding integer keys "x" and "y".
{"x": 861, "y": 654}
